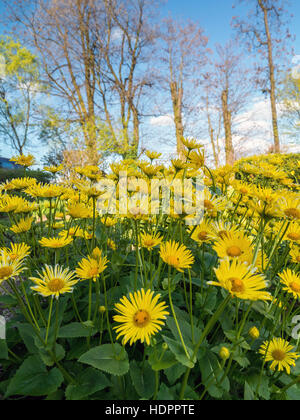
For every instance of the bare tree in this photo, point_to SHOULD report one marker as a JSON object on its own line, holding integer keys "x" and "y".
{"x": 92, "y": 53}
{"x": 265, "y": 32}
{"x": 228, "y": 87}
{"x": 184, "y": 54}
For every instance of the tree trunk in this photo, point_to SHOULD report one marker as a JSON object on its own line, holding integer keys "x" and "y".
{"x": 177, "y": 95}
{"x": 272, "y": 80}
{"x": 229, "y": 150}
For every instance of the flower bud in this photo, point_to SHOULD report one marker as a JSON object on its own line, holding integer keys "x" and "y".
{"x": 102, "y": 309}
{"x": 254, "y": 333}
{"x": 224, "y": 353}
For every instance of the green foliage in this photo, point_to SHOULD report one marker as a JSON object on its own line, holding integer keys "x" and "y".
{"x": 9, "y": 174}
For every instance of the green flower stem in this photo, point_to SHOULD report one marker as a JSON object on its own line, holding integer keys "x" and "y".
{"x": 175, "y": 318}
{"x": 205, "y": 333}
{"x": 49, "y": 320}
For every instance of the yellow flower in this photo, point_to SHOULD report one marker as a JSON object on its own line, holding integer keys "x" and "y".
{"x": 53, "y": 169}
{"x": 291, "y": 207}
{"x": 23, "y": 160}
{"x": 235, "y": 246}
{"x": 140, "y": 317}
{"x": 80, "y": 211}
{"x": 24, "y": 225}
{"x": 9, "y": 268}
{"x": 153, "y": 155}
{"x": 176, "y": 255}
{"x": 55, "y": 242}
{"x": 18, "y": 252}
{"x": 241, "y": 281}
{"x": 203, "y": 233}
{"x": 54, "y": 281}
{"x": 293, "y": 233}
{"x": 295, "y": 254}
{"x": 108, "y": 221}
{"x": 111, "y": 244}
{"x": 278, "y": 351}
{"x": 150, "y": 241}
{"x": 19, "y": 184}
{"x": 291, "y": 281}
{"x": 90, "y": 268}
{"x": 44, "y": 191}
{"x": 196, "y": 159}
{"x": 191, "y": 144}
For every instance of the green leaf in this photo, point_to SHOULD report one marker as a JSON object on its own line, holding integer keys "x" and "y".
{"x": 179, "y": 353}
{"x": 248, "y": 393}
{"x": 27, "y": 334}
{"x": 3, "y": 350}
{"x": 212, "y": 375}
{"x": 32, "y": 379}
{"x": 158, "y": 361}
{"x": 143, "y": 379}
{"x": 76, "y": 330}
{"x": 109, "y": 358}
{"x": 90, "y": 382}
{"x": 174, "y": 373}
{"x": 165, "y": 394}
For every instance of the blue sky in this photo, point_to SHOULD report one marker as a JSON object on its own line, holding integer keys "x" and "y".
{"x": 215, "y": 18}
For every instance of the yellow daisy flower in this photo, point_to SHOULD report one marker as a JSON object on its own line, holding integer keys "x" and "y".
{"x": 150, "y": 241}
{"x": 279, "y": 352}
{"x": 235, "y": 246}
{"x": 55, "y": 243}
{"x": 9, "y": 268}
{"x": 203, "y": 233}
{"x": 91, "y": 268}
{"x": 18, "y": 252}
{"x": 293, "y": 233}
{"x": 291, "y": 281}
{"x": 23, "y": 160}
{"x": 54, "y": 281}
{"x": 241, "y": 281}
{"x": 80, "y": 211}
{"x": 24, "y": 225}
{"x": 291, "y": 207}
{"x": 295, "y": 254}
{"x": 176, "y": 255}
{"x": 140, "y": 317}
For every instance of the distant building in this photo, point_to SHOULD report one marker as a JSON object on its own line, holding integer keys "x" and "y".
{"x": 6, "y": 164}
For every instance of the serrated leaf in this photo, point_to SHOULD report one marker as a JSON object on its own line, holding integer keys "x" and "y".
{"x": 90, "y": 382}
{"x": 108, "y": 358}
{"x": 32, "y": 379}
{"x": 179, "y": 353}
{"x": 143, "y": 379}
{"x": 76, "y": 330}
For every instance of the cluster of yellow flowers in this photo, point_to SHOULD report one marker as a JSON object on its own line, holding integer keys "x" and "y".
{"x": 251, "y": 229}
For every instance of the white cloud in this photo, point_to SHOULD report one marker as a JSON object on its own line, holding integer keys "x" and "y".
{"x": 162, "y": 121}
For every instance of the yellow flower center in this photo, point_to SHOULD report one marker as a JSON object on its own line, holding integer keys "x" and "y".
{"x": 149, "y": 243}
{"x": 173, "y": 260}
{"x": 141, "y": 318}
{"x": 292, "y": 213}
{"x": 278, "y": 355}
{"x": 234, "y": 251}
{"x": 298, "y": 258}
{"x": 55, "y": 285}
{"x": 294, "y": 236}
{"x": 13, "y": 256}
{"x": 5, "y": 272}
{"x": 94, "y": 272}
{"x": 208, "y": 205}
{"x": 243, "y": 191}
{"x": 237, "y": 285}
{"x": 295, "y": 287}
{"x": 202, "y": 236}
